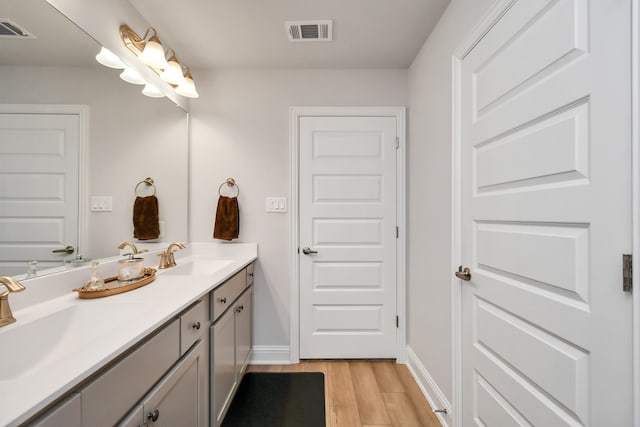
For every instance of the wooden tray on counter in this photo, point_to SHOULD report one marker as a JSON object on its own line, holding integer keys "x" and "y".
{"x": 113, "y": 287}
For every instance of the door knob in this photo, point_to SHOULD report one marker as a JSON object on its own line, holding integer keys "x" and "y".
{"x": 68, "y": 250}
{"x": 463, "y": 274}
{"x": 308, "y": 251}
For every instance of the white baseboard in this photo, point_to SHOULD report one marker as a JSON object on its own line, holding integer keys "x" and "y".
{"x": 429, "y": 388}
{"x": 270, "y": 355}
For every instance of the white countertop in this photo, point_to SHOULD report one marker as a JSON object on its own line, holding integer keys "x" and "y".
{"x": 122, "y": 320}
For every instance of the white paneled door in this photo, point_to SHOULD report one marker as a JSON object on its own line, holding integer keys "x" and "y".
{"x": 347, "y": 202}
{"x": 545, "y": 133}
{"x": 39, "y": 160}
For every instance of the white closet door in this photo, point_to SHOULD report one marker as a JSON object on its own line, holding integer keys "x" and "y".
{"x": 546, "y": 217}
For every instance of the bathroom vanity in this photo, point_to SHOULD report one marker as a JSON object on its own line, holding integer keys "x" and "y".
{"x": 162, "y": 354}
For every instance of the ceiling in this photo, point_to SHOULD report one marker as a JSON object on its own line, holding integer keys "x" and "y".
{"x": 251, "y": 33}
{"x": 240, "y": 33}
{"x": 58, "y": 41}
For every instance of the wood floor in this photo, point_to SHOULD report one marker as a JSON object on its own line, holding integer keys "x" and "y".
{"x": 366, "y": 393}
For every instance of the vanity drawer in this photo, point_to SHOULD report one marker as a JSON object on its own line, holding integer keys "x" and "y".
{"x": 249, "y": 275}
{"x": 107, "y": 398}
{"x": 224, "y": 295}
{"x": 193, "y": 326}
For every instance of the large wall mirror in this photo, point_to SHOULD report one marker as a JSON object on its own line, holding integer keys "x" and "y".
{"x": 124, "y": 137}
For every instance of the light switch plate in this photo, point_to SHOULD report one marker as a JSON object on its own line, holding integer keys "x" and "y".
{"x": 276, "y": 204}
{"x": 101, "y": 203}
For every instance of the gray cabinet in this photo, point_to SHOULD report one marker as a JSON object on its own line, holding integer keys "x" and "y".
{"x": 176, "y": 399}
{"x": 243, "y": 331}
{"x": 223, "y": 364}
{"x": 107, "y": 398}
{"x": 230, "y": 340}
{"x": 167, "y": 373}
{"x": 67, "y": 413}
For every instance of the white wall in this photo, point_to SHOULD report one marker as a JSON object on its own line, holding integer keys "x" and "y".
{"x": 430, "y": 213}
{"x": 240, "y": 129}
{"x": 131, "y": 137}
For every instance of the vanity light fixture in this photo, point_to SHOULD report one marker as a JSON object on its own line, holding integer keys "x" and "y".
{"x": 130, "y": 75}
{"x": 109, "y": 59}
{"x": 188, "y": 88}
{"x": 152, "y": 91}
{"x": 148, "y": 49}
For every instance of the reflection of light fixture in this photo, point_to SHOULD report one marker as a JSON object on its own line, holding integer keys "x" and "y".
{"x": 173, "y": 73}
{"x": 152, "y": 91}
{"x": 109, "y": 59}
{"x": 188, "y": 88}
{"x": 130, "y": 75}
{"x": 149, "y": 51}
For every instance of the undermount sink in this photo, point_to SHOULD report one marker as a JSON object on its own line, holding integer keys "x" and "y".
{"x": 198, "y": 267}
{"x": 29, "y": 346}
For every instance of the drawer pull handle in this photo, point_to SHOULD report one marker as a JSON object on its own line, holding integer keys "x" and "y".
{"x": 196, "y": 326}
{"x": 222, "y": 300}
{"x": 153, "y": 416}
{"x": 240, "y": 308}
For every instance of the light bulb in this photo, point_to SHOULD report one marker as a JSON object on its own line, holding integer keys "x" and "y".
{"x": 188, "y": 88}
{"x": 152, "y": 91}
{"x": 153, "y": 54}
{"x": 109, "y": 59}
{"x": 130, "y": 75}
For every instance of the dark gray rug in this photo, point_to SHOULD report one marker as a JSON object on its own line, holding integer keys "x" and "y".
{"x": 270, "y": 399}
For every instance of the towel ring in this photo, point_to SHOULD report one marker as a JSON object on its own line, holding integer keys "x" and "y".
{"x": 231, "y": 183}
{"x": 149, "y": 182}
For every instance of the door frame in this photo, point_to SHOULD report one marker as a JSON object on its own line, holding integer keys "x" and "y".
{"x": 295, "y": 113}
{"x": 485, "y": 24}
{"x": 82, "y": 111}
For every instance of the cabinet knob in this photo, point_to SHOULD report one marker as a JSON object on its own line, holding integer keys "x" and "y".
{"x": 222, "y": 300}
{"x": 153, "y": 416}
{"x": 196, "y": 326}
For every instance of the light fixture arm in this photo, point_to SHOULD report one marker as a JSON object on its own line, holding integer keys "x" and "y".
{"x": 132, "y": 40}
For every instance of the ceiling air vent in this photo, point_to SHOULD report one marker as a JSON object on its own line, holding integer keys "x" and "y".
{"x": 310, "y": 31}
{"x": 9, "y": 29}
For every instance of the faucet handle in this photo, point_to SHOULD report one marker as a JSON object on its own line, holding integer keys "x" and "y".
{"x": 12, "y": 285}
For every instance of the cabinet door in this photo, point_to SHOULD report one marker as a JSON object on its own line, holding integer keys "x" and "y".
{"x": 135, "y": 418}
{"x": 68, "y": 413}
{"x": 176, "y": 400}
{"x": 243, "y": 331}
{"x": 223, "y": 364}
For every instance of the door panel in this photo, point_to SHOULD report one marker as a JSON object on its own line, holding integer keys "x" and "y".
{"x": 348, "y": 215}
{"x": 39, "y": 160}
{"x": 546, "y": 217}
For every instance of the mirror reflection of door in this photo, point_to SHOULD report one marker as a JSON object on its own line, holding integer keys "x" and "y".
{"x": 39, "y": 159}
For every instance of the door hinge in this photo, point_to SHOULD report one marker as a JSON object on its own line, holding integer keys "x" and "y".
{"x": 397, "y": 142}
{"x": 397, "y": 321}
{"x": 397, "y": 232}
{"x": 627, "y": 273}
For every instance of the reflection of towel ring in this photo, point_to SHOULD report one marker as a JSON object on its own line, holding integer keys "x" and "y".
{"x": 149, "y": 182}
{"x": 231, "y": 183}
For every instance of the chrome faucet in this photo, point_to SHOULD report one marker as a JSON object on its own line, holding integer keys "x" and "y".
{"x": 167, "y": 259}
{"x": 131, "y": 245}
{"x": 12, "y": 285}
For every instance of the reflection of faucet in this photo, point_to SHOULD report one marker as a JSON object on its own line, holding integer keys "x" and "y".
{"x": 166, "y": 258}
{"x": 131, "y": 245}
{"x": 12, "y": 285}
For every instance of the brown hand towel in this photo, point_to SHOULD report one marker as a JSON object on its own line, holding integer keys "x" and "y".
{"x": 146, "y": 225}
{"x": 227, "y": 224}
